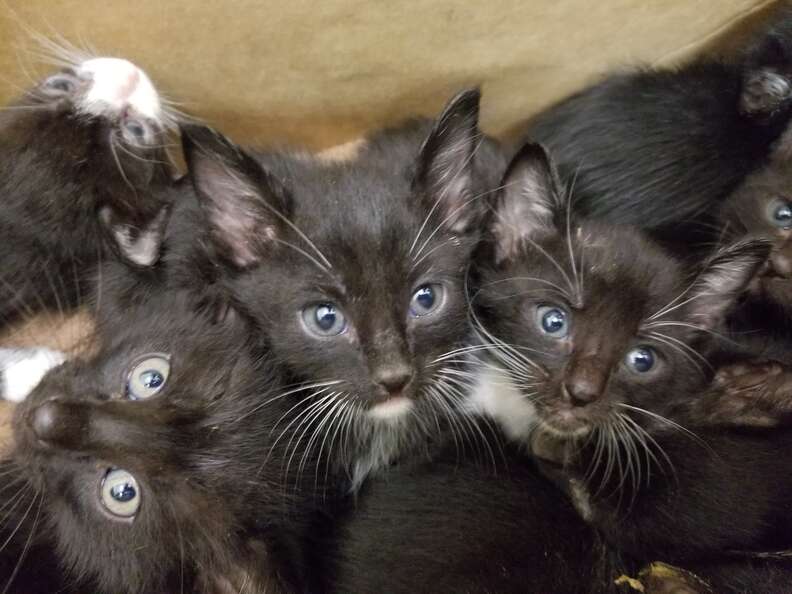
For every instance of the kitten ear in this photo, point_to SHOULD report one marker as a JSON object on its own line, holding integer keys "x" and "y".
{"x": 246, "y": 207}
{"x": 446, "y": 163}
{"x": 527, "y": 205}
{"x": 725, "y": 276}
{"x": 140, "y": 245}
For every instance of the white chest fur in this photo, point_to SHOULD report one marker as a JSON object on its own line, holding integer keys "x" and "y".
{"x": 494, "y": 395}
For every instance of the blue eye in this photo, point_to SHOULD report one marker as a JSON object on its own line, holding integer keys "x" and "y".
{"x": 120, "y": 494}
{"x": 152, "y": 379}
{"x": 148, "y": 376}
{"x": 552, "y": 321}
{"x": 324, "y": 319}
{"x": 781, "y": 213}
{"x": 123, "y": 492}
{"x": 641, "y": 359}
{"x": 426, "y": 299}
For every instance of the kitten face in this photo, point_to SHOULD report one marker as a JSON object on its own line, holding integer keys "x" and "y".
{"x": 355, "y": 271}
{"x": 761, "y": 208}
{"x": 594, "y": 324}
{"x": 145, "y": 458}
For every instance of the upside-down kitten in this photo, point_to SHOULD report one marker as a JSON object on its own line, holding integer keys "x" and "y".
{"x": 354, "y": 274}
{"x": 152, "y": 465}
{"x": 81, "y": 159}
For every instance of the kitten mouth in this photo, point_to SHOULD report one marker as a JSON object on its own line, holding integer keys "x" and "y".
{"x": 391, "y": 409}
{"x": 566, "y": 423}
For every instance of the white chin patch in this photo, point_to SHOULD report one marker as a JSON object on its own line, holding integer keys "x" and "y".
{"x": 392, "y": 409}
{"x": 21, "y": 370}
{"x": 116, "y": 85}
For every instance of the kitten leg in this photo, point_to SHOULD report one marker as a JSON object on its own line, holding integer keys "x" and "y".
{"x": 22, "y": 369}
{"x": 764, "y": 91}
{"x": 753, "y": 394}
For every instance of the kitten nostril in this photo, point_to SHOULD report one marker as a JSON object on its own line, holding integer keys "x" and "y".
{"x": 393, "y": 377}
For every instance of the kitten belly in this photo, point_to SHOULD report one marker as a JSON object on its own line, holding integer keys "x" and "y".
{"x": 494, "y": 395}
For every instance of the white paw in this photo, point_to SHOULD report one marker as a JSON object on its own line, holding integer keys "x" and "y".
{"x": 22, "y": 369}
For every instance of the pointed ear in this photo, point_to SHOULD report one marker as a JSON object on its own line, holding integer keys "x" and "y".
{"x": 139, "y": 245}
{"x": 446, "y": 163}
{"x": 725, "y": 276}
{"x": 245, "y": 206}
{"x": 528, "y": 204}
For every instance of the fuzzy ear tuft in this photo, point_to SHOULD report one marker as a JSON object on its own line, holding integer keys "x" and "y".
{"x": 139, "y": 245}
{"x": 724, "y": 277}
{"x": 528, "y": 204}
{"x": 446, "y": 165}
{"x": 246, "y": 207}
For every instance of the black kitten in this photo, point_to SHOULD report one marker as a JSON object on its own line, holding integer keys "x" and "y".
{"x": 354, "y": 273}
{"x": 79, "y": 156}
{"x": 599, "y": 332}
{"x": 598, "y": 351}
{"x": 662, "y": 149}
{"x": 150, "y": 465}
{"x": 455, "y": 526}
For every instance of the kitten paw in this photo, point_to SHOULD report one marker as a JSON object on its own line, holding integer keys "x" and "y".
{"x": 764, "y": 92}
{"x": 22, "y": 369}
{"x": 755, "y": 393}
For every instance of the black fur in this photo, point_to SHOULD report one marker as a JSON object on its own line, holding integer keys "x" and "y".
{"x": 74, "y": 190}
{"x": 456, "y": 526}
{"x": 217, "y": 510}
{"x": 662, "y": 149}
{"x": 363, "y": 236}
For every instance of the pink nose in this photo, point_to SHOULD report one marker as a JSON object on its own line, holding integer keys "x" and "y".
{"x": 128, "y": 86}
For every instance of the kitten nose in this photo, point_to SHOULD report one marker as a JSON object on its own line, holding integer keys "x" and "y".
{"x": 54, "y": 422}
{"x": 393, "y": 377}
{"x": 585, "y": 383}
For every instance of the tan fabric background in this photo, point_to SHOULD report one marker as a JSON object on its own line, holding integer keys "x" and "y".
{"x": 322, "y": 72}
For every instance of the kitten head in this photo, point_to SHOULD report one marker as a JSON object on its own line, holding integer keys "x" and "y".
{"x": 146, "y": 458}
{"x": 81, "y": 155}
{"x": 595, "y": 325}
{"x": 761, "y": 208}
{"x": 355, "y": 271}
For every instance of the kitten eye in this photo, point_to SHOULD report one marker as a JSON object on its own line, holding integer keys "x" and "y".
{"x": 641, "y": 359}
{"x": 780, "y": 212}
{"x": 148, "y": 376}
{"x": 135, "y": 131}
{"x": 427, "y": 299}
{"x": 324, "y": 319}
{"x": 552, "y": 321}
{"x": 60, "y": 84}
{"x": 120, "y": 494}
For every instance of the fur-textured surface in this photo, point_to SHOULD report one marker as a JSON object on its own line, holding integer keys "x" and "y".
{"x": 457, "y": 526}
{"x": 363, "y": 235}
{"x": 75, "y": 188}
{"x": 662, "y": 149}
{"x": 215, "y": 509}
